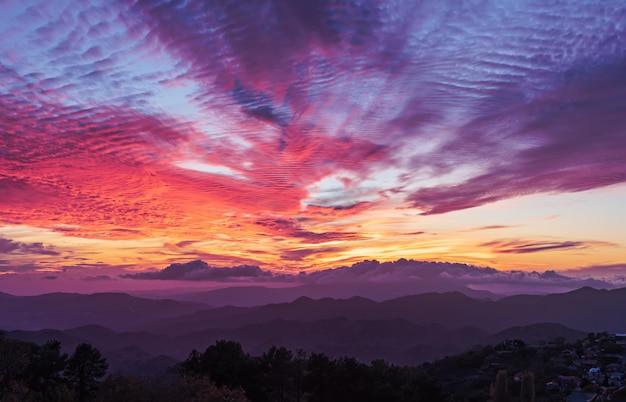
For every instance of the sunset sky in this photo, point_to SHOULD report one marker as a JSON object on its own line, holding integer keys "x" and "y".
{"x": 299, "y": 135}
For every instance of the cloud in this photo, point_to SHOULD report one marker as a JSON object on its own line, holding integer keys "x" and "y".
{"x": 93, "y": 266}
{"x": 291, "y": 228}
{"x": 492, "y": 227}
{"x": 302, "y": 253}
{"x": 8, "y": 246}
{"x": 127, "y": 121}
{"x": 49, "y": 277}
{"x": 523, "y": 247}
{"x": 19, "y": 268}
{"x": 200, "y": 271}
{"x": 443, "y": 275}
{"x": 420, "y": 276}
{"x": 97, "y": 278}
{"x": 547, "y": 146}
{"x": 615, "y": 273}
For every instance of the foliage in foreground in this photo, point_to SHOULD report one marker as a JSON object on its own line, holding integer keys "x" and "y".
{"x": 510, "y": 371}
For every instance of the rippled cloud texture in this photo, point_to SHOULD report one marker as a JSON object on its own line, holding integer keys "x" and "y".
{"x": 297, "y": 133}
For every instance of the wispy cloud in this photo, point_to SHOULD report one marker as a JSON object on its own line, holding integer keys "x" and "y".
{"x": 491, "y": 227}
{"x": 20, "y": 268}
{"x": 97, "y": 278}
{"x": 524, "y": 246}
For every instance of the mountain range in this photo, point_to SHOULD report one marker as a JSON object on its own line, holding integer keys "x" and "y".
{"x": 143, "y": 335}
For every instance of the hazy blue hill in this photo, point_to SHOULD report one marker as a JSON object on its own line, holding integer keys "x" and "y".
{"x": 452, "y": 309}
{"x": 365, "y": 339}
{"x": 448, "y": 309}
{"x": 407, "y": 329}
{"x": 249, "y": 296}
{"x": 65, "y": 310}
{"x": 586, "y": 309}
{"x": 404, "y": 330}
{"x": 303, "y": 308}
{"x": 395, "y": 340}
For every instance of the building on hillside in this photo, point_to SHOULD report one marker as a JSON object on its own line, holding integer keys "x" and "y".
{"x": 620, "y": 339}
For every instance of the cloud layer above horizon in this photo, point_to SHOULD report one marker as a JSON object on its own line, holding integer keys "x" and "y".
{"x": 408, "y": 275}
{"x": 296, "y": 133}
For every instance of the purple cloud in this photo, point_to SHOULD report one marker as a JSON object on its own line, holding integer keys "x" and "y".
{"x": 200, "y": 271}
{"x": 300, "y": 254}
{"x": 291, "y": 228}
{"x": 548, "y": 145}
{"x": 97, "y": 278}
{"x": 523, "y": 247}
{"x": 615, "y": 273}
{"x": 19, "y": 268}
{"x": 426, "y": 276}
{"x": 8, "y": 246}
{"x": 524, "y": 100}
{"x": 49, "y": 277}
{"x": 413, "y": 276}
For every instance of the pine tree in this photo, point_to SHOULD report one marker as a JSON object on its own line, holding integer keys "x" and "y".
{"x": 84, "y": 369}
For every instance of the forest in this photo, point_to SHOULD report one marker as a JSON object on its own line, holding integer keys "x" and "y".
{"x": 511, "y": 371}
{"x": 223, "y": 372}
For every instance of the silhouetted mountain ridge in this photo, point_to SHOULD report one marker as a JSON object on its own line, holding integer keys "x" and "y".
{"x": 249, "y": 296}
{"x": 407, "y": 329}
{"x": 578, "y": 309}
{"x": 65, "y": 310}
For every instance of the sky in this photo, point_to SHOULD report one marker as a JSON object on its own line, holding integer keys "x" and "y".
{"x": 285, "y": 137}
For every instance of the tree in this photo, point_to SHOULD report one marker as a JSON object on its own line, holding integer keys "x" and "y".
{"x": 278, "y": 371}
{"x": 46, "y": 364}
{"x": 44, "y": 370}
{"x": 225, "y": 363}
{"x": 320, "y": 379}
{"x": 14, "y": 361}
{"x": 84, "y": 369}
